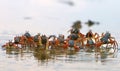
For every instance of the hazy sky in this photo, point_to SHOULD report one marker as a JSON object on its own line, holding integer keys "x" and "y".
{"x": 57, "y": 16}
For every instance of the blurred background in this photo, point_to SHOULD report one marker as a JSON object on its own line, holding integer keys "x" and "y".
{"x": 57, "y": 16}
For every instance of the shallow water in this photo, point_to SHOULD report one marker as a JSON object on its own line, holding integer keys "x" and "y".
{"x": 57, "y": 61}
{"x": 35, "y": 16}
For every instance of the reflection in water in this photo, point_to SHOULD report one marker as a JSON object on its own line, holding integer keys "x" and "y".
{"x": 43, "y": 56}
{"x": 36, "y": 59}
